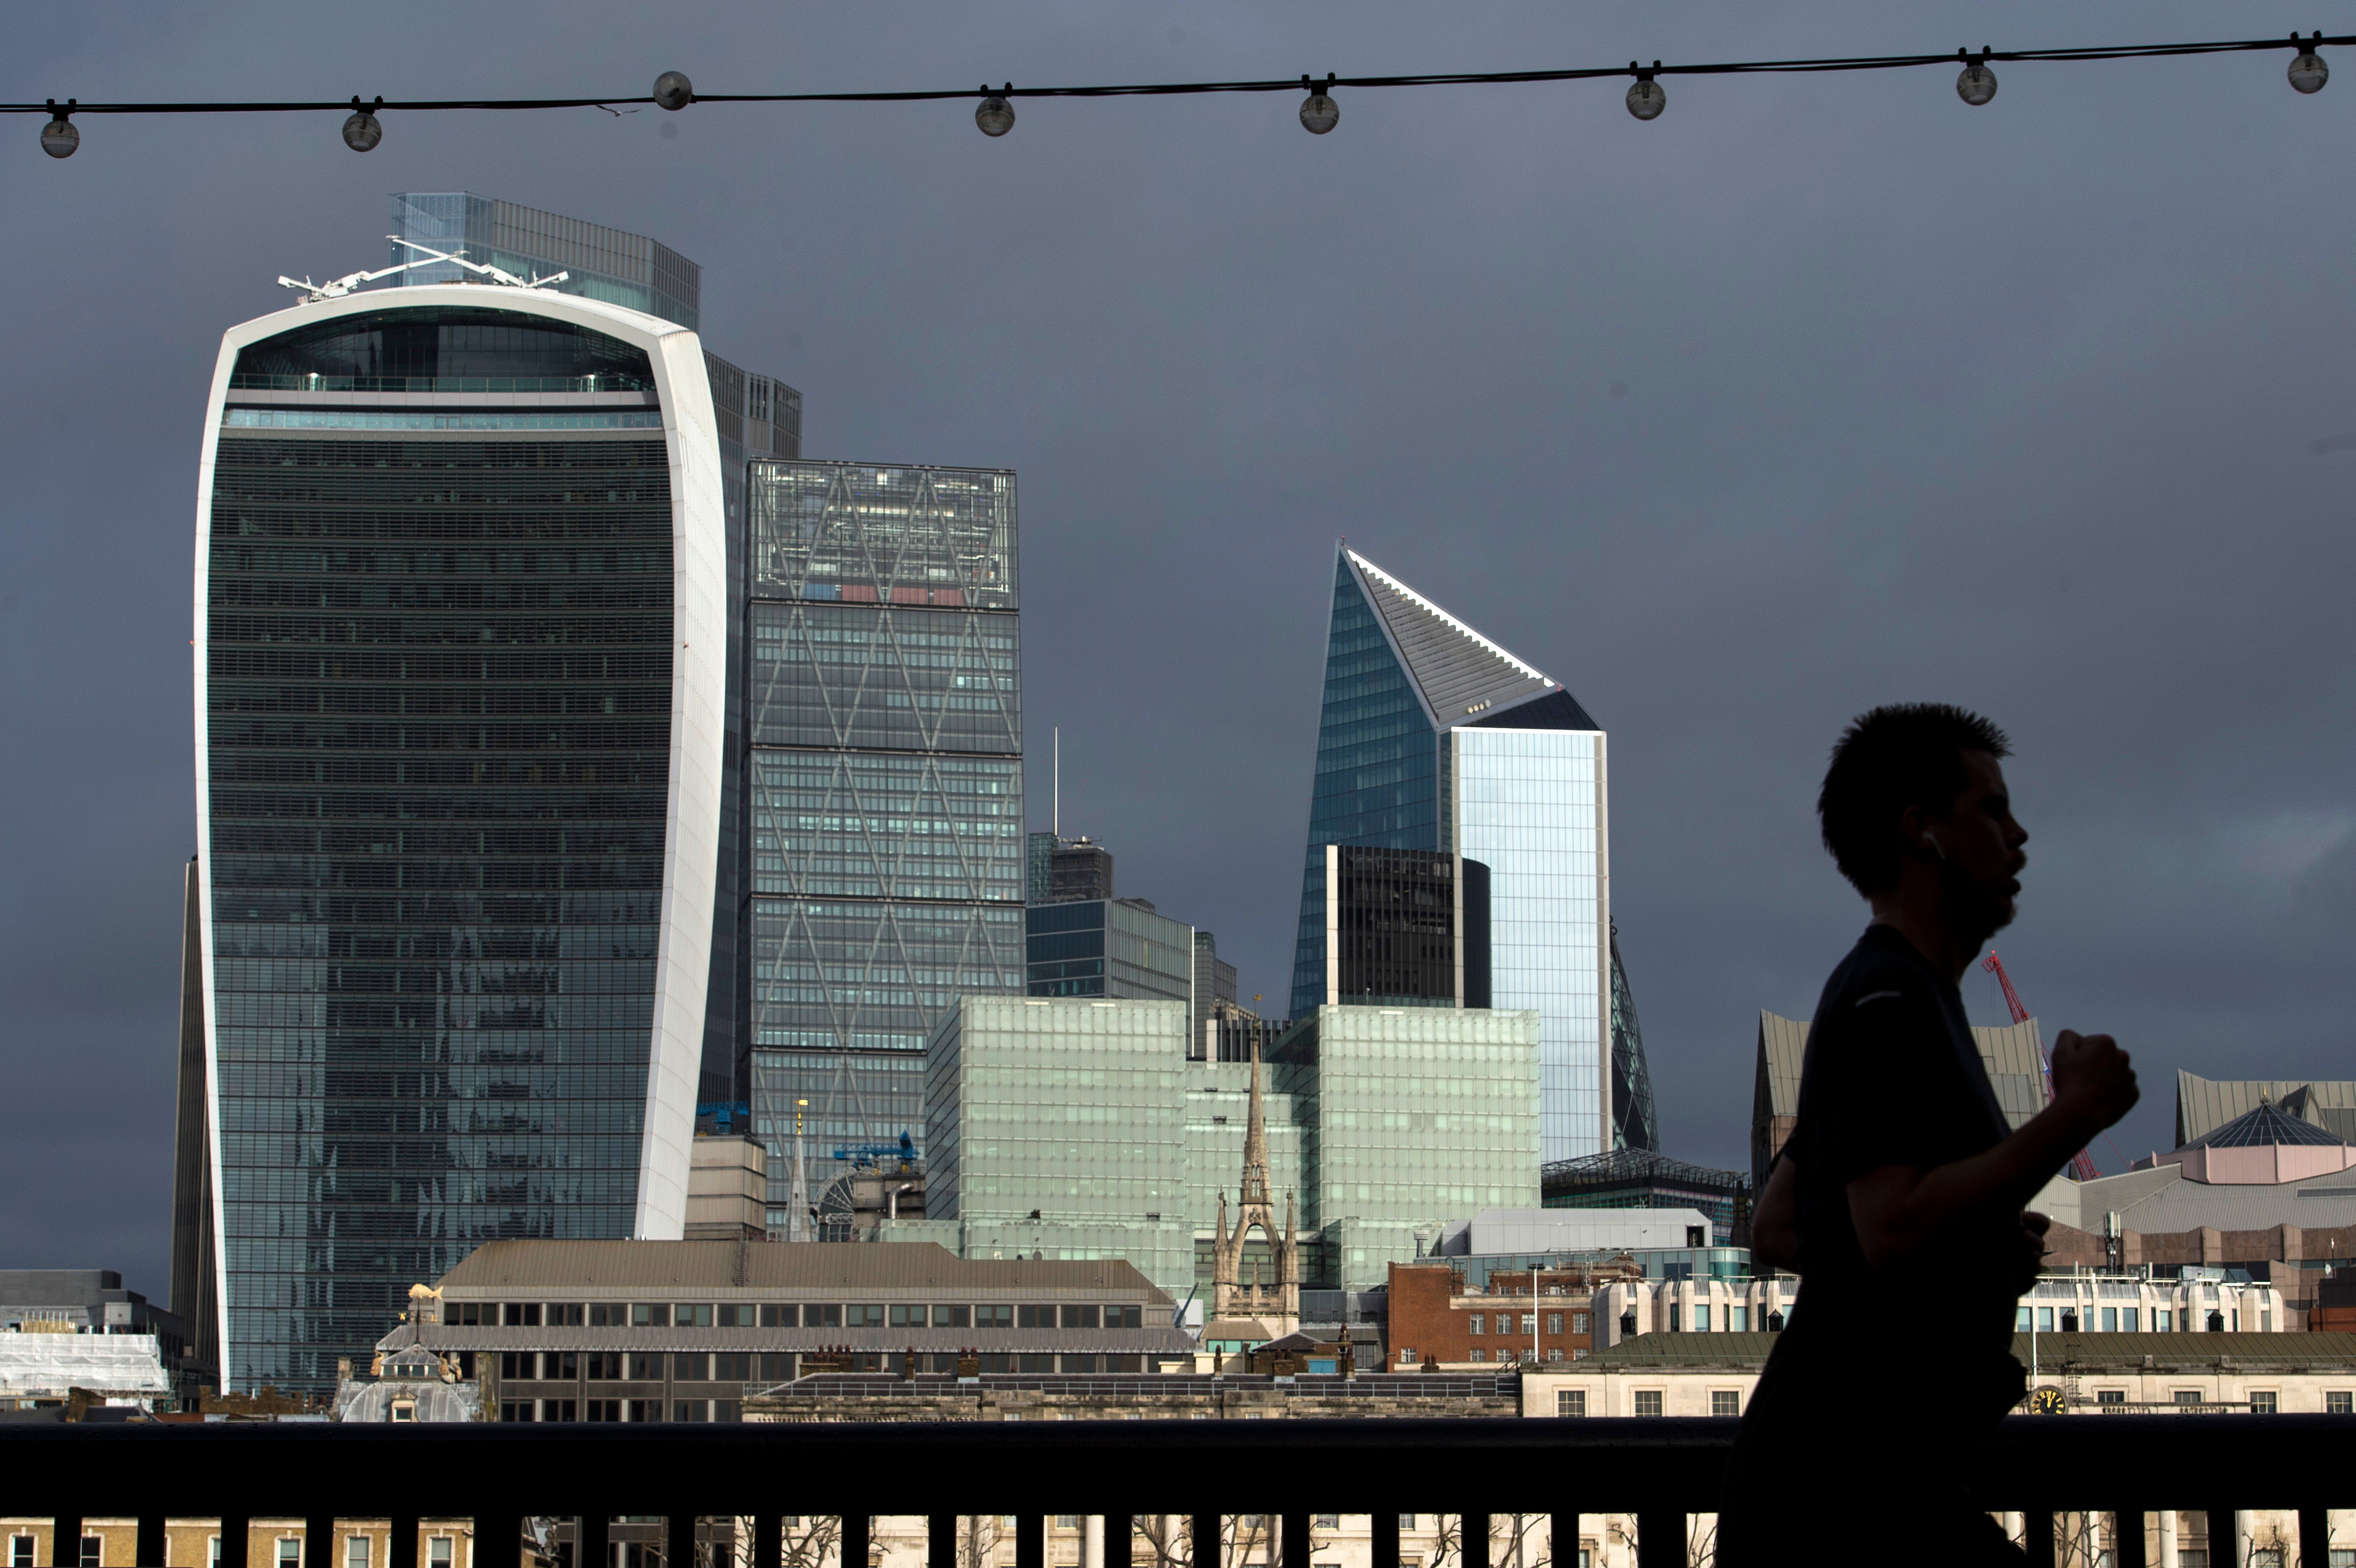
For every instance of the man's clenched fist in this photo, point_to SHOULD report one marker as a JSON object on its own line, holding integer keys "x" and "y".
{"x": 2093, "y": 1076}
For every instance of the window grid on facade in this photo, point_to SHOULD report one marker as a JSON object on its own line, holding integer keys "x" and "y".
{"x": 883, "y": 784}
{"x": 438, "y": 684}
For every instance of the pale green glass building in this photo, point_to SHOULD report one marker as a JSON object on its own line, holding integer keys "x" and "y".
{"x": 1077, "y": 1129}
{"x": 1408, "y": 1117}
{"x": 1057, "y": 1127}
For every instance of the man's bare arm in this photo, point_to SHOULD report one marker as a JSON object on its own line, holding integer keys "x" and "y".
{"x": 1902, "y": 1210}
{"x": 1775, "y": 1223}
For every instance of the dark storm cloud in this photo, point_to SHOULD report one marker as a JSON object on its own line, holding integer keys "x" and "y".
{"x": 1814, "y": 393}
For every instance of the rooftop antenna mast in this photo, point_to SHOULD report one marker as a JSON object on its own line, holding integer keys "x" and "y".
{"x": 335, "y": 288}
{"x": 797, "y": 1208}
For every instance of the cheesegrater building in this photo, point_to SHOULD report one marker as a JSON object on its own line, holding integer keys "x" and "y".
{"x": 1433, "y": 737}
{"x": 884, "y": 786}
{"x": 461, "y": 621}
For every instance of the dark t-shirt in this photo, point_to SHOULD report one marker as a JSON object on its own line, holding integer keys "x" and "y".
{"x": 1892, "y": 1077}
{"x": 1822, "y": 1472}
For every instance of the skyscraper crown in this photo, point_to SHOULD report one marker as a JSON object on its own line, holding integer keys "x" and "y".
{"x": 1462, "y": 676}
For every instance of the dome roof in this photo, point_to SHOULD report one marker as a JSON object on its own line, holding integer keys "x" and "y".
{"x": 2268, "y": 1124}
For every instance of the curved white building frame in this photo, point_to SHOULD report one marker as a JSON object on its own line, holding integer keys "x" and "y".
{"x": 405, "y": 597}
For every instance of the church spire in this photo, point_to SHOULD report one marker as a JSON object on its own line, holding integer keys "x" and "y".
{"x": 1256, "y": 1139}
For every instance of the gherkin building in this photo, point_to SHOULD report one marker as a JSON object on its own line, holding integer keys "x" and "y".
{"x": 1634, "y": 1125}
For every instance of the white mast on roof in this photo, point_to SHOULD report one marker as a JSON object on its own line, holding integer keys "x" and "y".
{"x": 336, "y": 288}
{"x": 797, "y": 1206}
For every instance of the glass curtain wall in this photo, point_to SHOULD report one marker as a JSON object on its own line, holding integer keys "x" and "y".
{"x": 883, "y": 785}
{"x": 1058, "y": 1128}
{"x": 439, "y": 685}
{"x": 1377, "y": 782}
{"x": 1528, "y": 806}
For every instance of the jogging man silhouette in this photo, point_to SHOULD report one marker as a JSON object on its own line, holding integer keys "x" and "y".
{"x": 1900, "y": 1194}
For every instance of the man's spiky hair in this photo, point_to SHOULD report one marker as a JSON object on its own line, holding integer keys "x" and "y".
{"x": 1908, "y": 754}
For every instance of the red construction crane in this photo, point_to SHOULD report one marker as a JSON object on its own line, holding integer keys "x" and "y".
{"x": 2082, "y": 1165}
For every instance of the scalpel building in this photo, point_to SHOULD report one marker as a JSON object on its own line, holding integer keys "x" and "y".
{"x": 1433, "y": 737}
{"x": 460, "y": 628}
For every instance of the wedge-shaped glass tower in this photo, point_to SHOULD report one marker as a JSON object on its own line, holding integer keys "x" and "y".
{"x": 1433, "y": 737}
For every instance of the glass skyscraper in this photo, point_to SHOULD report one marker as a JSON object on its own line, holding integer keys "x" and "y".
{"x": 757, "y": 416}
{"x": 459, "y": 659}
{"x": 883, "y": 784}
{"x": 1433, "y": 737}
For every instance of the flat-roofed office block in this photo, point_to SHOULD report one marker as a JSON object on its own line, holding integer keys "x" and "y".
{"x": 685, "y": 1330}
{"x": 1081, "y": 1129}
{"x": 1059, "y": 1126}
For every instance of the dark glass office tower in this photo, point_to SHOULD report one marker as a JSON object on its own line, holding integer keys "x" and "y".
{"x": 1404, "y": 927}
{"x": 757, "y": 417}
{"x": 883, "y": 785}
{"x": 459, "y": 691}
{"x": 1433, "y": 737}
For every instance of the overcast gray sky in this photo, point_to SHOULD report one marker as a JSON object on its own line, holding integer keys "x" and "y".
{"x": 1817, "y": 392}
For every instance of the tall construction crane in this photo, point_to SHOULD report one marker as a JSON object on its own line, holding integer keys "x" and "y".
{"x": 2082, "y": 1165}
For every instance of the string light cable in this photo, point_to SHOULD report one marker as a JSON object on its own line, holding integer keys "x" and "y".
{"x": 1975, "y": 84}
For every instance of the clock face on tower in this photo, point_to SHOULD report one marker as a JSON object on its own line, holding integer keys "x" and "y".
{"x": 2047, "y": 1400}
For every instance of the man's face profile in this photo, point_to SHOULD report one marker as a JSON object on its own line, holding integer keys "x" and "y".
{"x": 1980, "y": 875}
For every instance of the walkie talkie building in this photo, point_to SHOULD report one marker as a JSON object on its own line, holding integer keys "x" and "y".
{"x": 460, "y": 627}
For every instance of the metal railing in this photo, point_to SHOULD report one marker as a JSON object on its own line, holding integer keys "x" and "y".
{"x": 1661, "y": 1471}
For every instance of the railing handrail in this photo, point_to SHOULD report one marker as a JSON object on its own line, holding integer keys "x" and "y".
{"x": 1351, "y": 1466}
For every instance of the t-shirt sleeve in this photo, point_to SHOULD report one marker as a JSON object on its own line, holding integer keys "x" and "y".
{"x": 1886, "y": 1086}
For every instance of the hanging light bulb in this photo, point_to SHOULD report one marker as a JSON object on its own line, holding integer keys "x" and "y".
{"x": 1319, "y": 113}
{"x": 58, "y": 138}
{"x": 362, "y": 131}
{"x": 2307, "y": 72}
{"x": 1647, "y": 98}
{"x": 673, "y": 91}
{"x": 996, "y": 116}
{"x": 1976, "y": 85}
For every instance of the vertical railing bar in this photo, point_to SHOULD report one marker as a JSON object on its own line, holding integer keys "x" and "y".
{"x": 940, "y": 1541}
{"x": 319, "y": 1542}
{"x": 1563, "y": 1550}
{"x": 1660, "y": 1538}
{"x": 1207, "y": 1539}
{"x": 1119, "y": 1540}
{"x": 1030, "y": 1542}
{"x": 2037, "y": 1537}
{"x": 857, "y": 1546}
{"x": 65, "y": 1541}
{"x": 1294, "y": 1542}
{"x": 2126, "y": 1539}
{"x": 1473, "y": 1539}
{"x": 499, "y": 1537}
{"x": 2314, "y": 1537}
{"x": 768, "y": 1542}
{"x": 679, "y": 1540}
{"x": 1384, "y": 1545}
{"x": 2224, "y": 1540}
{"x": 400, "y": 1542}
{"x": 592, "y": 1537}
{"x": 150, "y": 1550}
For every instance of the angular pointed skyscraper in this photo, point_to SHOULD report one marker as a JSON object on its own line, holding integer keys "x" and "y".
{"x": 1433, "y": 737}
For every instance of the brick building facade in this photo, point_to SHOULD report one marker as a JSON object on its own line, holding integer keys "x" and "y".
{"x": 1438, "y": 1319}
